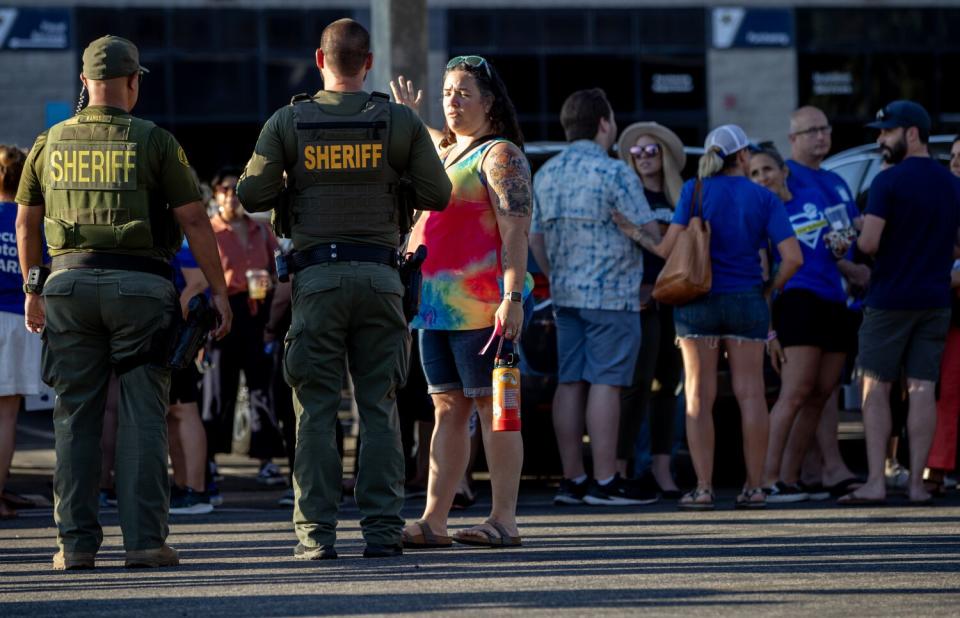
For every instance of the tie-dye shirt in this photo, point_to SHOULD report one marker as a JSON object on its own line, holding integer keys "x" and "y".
{"x": 462, "y": 275}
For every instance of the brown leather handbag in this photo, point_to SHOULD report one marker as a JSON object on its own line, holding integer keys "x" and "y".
{"x": 687, "y": 274}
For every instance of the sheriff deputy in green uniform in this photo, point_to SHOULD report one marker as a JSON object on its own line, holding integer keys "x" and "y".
{"x": 344, "y": 151}
{"x": 112, "y": 193}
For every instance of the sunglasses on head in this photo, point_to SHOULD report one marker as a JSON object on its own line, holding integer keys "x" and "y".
{"x": 645, "y": 152}
{"x": 471, "y": 61}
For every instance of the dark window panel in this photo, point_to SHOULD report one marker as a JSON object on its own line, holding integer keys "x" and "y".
{"x": 949, "y": 85}
{"x": 566, "y": 74}
{"x": 285, "y": 79}
{"x": 888, "y": 28}
{"x": 152, "y": 102}
{"x": 145, "y": 27}
{"x": 285, "y": 30}
{"x": 518, "y": 29}
{"x": 237, "y": 30}
{"x": 565, "y": 28}
{"x": 673, "y": 27}
{"x": 613, "y": 29}
{"x": 194, "y": 29}
{"x": 521, "y": 75}
{"x": 902, "y": 76}
{"x": 212, "y": 146}
{"x": 673, "y": 82}
{"x": 468, "y": 29}
{"x": 220, "y": 90}
{"x": 835, "y": 84}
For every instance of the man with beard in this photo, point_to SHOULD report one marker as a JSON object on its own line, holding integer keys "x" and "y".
{"x": 910, "y": 228}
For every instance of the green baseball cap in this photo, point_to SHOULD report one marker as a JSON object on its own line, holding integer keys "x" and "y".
{"x": 109, "y": 57}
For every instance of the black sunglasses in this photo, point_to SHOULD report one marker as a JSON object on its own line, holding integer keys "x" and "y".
{"x": 471, "y": 61}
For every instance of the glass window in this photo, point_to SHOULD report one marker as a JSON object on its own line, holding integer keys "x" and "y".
{"x": 613, "y": 28}
{"x": 615, "y": 74}
{"x": 521, "y": 75}
{"x": 567, "y": 28}
{"x": 835, "y": 84}
{"x": 285, "y": 30}
{"x": 285, "y": 79}
{"x": 673, "y": 27}
{"x": 469, "y": 29}
{"x": 518, "y": 29}
{"x": 902, "y": 76}
{"x": 215, "y": 89}
{"x": 674, "y": 82}
{"x": 852, "y": 172}
{"x": 147, "y": 28}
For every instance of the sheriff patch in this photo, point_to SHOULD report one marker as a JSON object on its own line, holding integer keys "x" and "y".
{"x": 327, "y": 156}
{"x": 106, "y": 166}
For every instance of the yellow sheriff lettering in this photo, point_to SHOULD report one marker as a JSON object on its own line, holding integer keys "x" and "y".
{"x": 345, "y": 156}
{"x": 348, "y": 156}
{"x": 56, "y": 167}
{"x": 97, "y": 158}
{"x": 83, "y": 165}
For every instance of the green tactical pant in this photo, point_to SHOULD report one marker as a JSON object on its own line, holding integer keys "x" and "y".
{"x": 353, "y": 309}
{"x": 94, "y": 320}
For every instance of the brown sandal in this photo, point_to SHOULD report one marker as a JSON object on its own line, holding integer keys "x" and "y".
{"x": 426, "y": 539}
{"x": 504, "y": 540}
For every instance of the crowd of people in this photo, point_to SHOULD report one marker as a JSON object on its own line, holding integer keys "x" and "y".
{"x": 800, "y": 274}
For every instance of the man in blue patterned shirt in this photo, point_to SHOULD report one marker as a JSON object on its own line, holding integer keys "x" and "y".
{"x": 595, "y": 273}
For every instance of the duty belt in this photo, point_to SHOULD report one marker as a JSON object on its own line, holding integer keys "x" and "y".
{"x": 340, "y": 252}
{"x": 112, "y": 261}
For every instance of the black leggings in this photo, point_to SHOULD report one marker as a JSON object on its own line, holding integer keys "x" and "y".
{"x": 659, "y": 361}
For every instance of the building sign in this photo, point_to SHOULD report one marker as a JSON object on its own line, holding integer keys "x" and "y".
{"x": 672, "y": 83}
{"x": 831, "y": 83}
{"x": 737, "y": 27}
{"x": 34, "y": 29}
{"x": 677, "y": 83}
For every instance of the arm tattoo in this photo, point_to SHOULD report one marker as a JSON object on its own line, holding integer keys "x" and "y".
{"x": 510, "y": 180}
{"x": 643, "y": 238}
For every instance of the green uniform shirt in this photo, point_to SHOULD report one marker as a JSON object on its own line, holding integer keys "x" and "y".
{"x": 411, "y": 153}
{"x": 167, "y": 170}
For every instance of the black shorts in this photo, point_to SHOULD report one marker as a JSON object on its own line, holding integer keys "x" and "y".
{"x": 184, "y": 385}
{"x": 801, "y": 318}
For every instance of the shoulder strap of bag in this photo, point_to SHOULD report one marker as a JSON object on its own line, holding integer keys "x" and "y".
{"x": 696, "y": 209}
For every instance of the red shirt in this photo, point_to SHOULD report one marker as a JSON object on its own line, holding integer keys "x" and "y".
{"x": 237, "y": 259}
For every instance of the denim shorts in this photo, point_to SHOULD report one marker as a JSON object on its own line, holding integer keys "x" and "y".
{"x": 597, "y": 346}
{"x": 451, "y": 359}
{"x": 736, "y": 315}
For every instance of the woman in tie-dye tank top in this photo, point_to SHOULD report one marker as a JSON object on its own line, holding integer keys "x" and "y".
{"x": 475, "y": 280}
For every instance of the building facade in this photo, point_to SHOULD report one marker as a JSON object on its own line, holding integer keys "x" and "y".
{"x": 218, "y": 68}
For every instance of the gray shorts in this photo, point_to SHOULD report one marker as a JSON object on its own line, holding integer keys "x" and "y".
{"x": 909, "y": 339}
{"x": 597, "y": 346}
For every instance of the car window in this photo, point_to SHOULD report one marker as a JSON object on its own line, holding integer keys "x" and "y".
{"x": 851, "y": 171}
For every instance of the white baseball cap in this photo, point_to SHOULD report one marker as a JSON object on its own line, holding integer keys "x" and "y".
{"x": 728, "y": 138}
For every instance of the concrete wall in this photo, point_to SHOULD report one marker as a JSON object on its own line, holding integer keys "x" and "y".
{"x": 754, "y": 88}
{"x": 30, "y": 80}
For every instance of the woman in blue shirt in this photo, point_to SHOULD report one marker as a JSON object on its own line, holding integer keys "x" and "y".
{"x": 19, "y": 349}
{"x": 813, "y": 328}
{"x": 744, "y": 219}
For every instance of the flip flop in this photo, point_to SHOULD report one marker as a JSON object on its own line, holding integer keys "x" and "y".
{"x": 691, "y": 501}
{"x": 852, "y": 500}
{"x": 843, "y": 487}
{"x": 426, "y": 539}
{"x": 504, "y": 540}
{"x": 925, "y": 502}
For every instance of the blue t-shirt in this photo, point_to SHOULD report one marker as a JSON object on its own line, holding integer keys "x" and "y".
{"x": 11, "y": 280}
{"x": 743, "y": 216}
{"x": 819, "y": 273}
{"x": 183, "y": 259}
{"x": 833, "y": 186}
{"x": 920, "y": 202}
